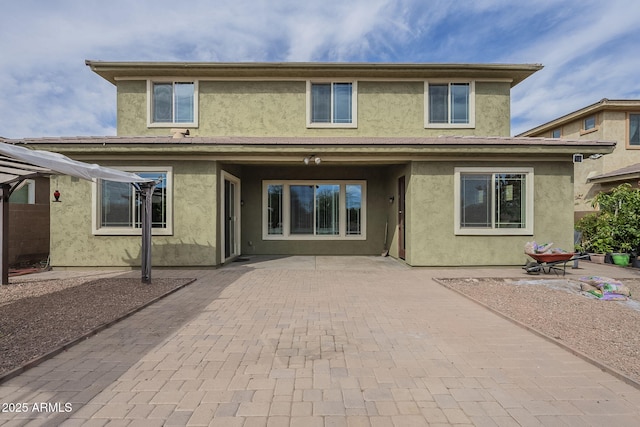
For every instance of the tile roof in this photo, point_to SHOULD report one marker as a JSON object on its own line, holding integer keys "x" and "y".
{"x": 628, "y": 172}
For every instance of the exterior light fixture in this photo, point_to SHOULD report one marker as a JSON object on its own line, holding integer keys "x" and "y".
{"x": 391, "y": 199}
{"x": 56, "y": 196}
{"x": 313, "y": 158}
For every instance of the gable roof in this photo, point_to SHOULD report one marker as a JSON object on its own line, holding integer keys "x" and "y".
{"x": 603, "y": 104}
{"x": 112, "y": 71}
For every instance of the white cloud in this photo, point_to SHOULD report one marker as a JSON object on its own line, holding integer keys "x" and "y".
{"x": 586, "y": 46}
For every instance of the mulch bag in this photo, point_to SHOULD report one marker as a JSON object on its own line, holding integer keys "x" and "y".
{"x": 534, "y": 248}
{"x": 605, "y": 288}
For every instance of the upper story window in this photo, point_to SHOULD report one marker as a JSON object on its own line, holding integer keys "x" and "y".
{"x": 331, "y": 104}
{"x": 556, "y": 133}
{"x": 493, "y": 201}
{"x": 450, "y": 104}
{"x": 172, "y": 102}
{"x": 589, "y": 124}
{"x": 118, "y": 207}
{"x": 634, "y": 130}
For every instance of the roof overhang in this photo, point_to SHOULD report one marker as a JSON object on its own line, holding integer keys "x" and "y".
{"x": 113, "y": 71}
{"x": 629, "y": 173}
{"x": 368, "y": 150}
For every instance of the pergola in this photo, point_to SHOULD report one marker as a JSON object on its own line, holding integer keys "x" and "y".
{"x": 18, "y": 164}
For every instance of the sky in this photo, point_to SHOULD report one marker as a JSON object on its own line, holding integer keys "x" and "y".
{"x": 589, "y": 48}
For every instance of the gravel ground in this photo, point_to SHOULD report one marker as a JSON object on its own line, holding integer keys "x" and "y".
{"x": 41, "y": 316}
{"x": 607, "y": 331}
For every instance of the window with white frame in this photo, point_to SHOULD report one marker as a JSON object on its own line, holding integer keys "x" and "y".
{"x": 589, "y": 123}
{"x": 634, "y": 130}
{"x": 118, "y": 206}
{"x": 331, "y": 104}
{"x": 172, "y": 103}
{"x": 493, "y": 201}
{"x": 449, "y": 104}
{"x": 314, "y": 210}
{"x": 25, "y": 193}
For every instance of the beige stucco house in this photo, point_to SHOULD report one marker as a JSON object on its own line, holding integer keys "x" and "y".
{"x": 612, "y": 120}
{"x": 316, "y": 158}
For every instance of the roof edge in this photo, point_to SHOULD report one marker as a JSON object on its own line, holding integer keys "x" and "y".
{"x": 603, "y": 104}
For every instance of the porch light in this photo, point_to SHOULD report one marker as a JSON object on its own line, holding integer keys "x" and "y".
{"x": 391, "y": 199}
{"x": 56, "y": 196}
{"x": 313, "y": 157}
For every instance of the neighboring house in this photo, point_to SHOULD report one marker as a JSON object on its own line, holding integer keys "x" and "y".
{"x": 613, "y": 120}
{"x": 316, "y": 158}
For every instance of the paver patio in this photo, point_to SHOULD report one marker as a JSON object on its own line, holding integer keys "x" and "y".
{"x": 318, "y": 341}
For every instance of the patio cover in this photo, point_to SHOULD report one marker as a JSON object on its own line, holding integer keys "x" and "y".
{"x": 19, "y": 163}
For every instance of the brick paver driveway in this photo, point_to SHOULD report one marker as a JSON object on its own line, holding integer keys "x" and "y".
{"x": 320, "y": 341}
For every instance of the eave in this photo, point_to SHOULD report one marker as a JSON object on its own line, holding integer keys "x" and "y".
{"x": 339, "y": 149}
{"x": 112, "y": 71}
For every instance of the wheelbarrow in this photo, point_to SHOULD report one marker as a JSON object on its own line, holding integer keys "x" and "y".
{"x": 548, "y": 262}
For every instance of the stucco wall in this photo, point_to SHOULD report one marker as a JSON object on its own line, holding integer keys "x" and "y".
{"x": 430, "y": 217}
{"x": 193, "y": 242}
{"x": 278, "y": 108}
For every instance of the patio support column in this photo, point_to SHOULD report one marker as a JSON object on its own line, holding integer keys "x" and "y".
{"x": 146, "y": 192}
{"x": 5, "y": 191}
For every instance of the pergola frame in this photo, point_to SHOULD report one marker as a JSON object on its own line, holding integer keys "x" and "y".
{"x": 18, "y": 164}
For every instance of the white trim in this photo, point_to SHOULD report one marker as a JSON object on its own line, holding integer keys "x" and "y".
{"x": 530, "y": 189}
{"x": 132, "y": 231}
{"x": 151, "y": 123}
{"x": 286, "y": 206}
{"x": 354, "y": 104}
{"x": 225, "y": 176}
{"x": 472, "y": 105}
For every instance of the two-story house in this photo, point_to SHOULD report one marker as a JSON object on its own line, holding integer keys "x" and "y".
{"x": 316, "y": 158}
{"x": 613, "y": 120}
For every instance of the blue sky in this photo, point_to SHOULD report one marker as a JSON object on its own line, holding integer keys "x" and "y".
{"x": 589, "y": 48}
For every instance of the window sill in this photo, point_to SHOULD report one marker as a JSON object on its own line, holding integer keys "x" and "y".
{"x": 130, "y": 232}
{"x": 586, "y": 132}
{"x": 313, "y": 238}
{"x": 450, "y": 126}
{"x": 332, "y": 126}
{"x": 172, "y": 125}
{"x": 493, "y": 232}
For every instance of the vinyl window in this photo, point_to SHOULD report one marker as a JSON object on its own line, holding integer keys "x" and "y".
{"x": 314, "y": 210}
{"x": 331, "y": 104}
{"x": 493, "y": 201}
{"x": 172, "y": 103}
{"x": 118, "y": 206}
{"x": 450, "y": 104}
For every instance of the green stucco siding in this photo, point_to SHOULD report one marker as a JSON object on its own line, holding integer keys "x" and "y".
{"x": 430, "y": 217}
{"x": 278, "y": 108}
{"x": 193, "y": 242}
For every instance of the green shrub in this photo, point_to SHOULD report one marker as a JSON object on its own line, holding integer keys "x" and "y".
{"x": 616, "y": 225}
